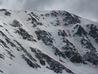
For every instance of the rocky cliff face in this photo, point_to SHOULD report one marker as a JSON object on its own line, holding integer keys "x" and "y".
{"x": 44, "y": 42}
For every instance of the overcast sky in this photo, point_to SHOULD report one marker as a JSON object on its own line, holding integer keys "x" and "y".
{"x": 84, "y": 8}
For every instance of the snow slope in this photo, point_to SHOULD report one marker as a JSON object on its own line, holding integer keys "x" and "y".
{"x": 47, "y": 42}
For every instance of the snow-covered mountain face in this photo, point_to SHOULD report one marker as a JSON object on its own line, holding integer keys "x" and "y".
{"x": 47, "y": 42}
